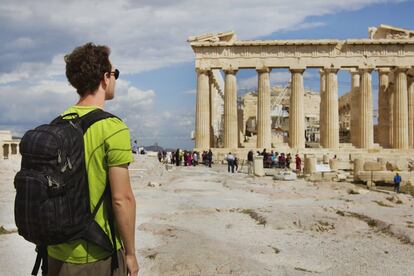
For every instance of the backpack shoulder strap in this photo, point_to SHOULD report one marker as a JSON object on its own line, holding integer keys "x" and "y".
{"x": 94, "y": 116}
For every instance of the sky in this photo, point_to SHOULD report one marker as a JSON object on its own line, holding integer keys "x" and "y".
{"x": 155, "y": 94}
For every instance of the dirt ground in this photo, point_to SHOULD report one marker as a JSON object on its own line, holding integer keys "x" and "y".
{"x": 206, "y": 221}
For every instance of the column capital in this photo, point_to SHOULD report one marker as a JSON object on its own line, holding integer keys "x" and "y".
{"x": 330, "y": 70}
{"x": 230, "y": 70}
{"x": 401, "y": 69}
{"x": 353, "y": 71}
{"x": 263, "y": 69}
{"x": 200, "y": 70}
{"x": 362, "y": 70}
{"x": 297, "y": 70}
{"x": 384, "y": 70}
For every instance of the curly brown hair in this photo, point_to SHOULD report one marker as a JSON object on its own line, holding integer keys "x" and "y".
{"x": 86, "y": 66}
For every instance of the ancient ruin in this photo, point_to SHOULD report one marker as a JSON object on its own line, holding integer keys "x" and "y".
{"x": 389, "y": 50}
{"x": 279, "y": 113}
{"x": 8, "y": 145}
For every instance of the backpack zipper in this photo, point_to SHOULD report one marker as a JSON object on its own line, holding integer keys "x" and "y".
{"x": 51, "y": 183}
{"x": 57, "y": 139}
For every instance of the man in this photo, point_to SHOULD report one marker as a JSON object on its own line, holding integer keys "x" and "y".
{"x": 107, "y": 155}
{"x": 298, "y": 162}
{"x": 209, "y": 158}
{"x": 230, "y": 162}
{"x": 250, "y": 162}
{"x": 397, "y": 181}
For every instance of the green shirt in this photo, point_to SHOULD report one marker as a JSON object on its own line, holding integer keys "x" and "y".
{"x": 107, "y": 143}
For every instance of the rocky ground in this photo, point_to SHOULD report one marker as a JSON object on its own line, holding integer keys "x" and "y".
{"x": 202, "y": 221}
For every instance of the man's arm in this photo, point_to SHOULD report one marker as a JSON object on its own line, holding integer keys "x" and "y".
{"x": 123, "y": 203}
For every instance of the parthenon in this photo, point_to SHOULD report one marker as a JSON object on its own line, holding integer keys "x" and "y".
{"x": 388, "y": 50}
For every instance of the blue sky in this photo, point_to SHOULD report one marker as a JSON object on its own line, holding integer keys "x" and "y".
{"x": 156, "y": 91}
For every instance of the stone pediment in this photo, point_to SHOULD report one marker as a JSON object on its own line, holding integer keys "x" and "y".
{"x": 389, "y": 32}
{"x": 210, "y": 37}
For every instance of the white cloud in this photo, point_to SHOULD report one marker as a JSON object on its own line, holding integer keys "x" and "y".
{"x": 149, "y": 35}
{"x": 143, "y": 35}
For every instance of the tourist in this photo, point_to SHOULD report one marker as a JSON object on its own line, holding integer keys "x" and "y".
{"x": 230, "y": 162}
{"x": 282, "y": 160}
{"x": 288, "y": 160}
{"x": 89, "y": 70}
{"x": 298, "y": 163}
{"x": 177, "y": 157}
{"x": 209, "y": 158}
{"x": 168, "y": 158}
{"x": 181, "y": 157}
{"x": 185, "y": 156}
{"x": 135, "y": 147}
{"x": 195, "y": 159}
{"x": 236, "y": 163}
{"x": 159, "y": 156}
{"x": 250, "y": 162}
{"x": 397, "y": 181}
{"x": 264, "y": 154}
{"x": 204, "y": 157}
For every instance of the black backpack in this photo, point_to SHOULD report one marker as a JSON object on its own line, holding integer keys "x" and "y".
{"x": 52, "y": 204}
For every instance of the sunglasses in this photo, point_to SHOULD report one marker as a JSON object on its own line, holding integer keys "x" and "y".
{"x": 116, "y": 73}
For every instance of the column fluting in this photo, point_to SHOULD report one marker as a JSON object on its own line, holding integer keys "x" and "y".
{"x": 332, "y": 116}
{"x": 202, "y": 139}
{"x": 400, "y": 114}
{"x": 322, "y": 111}
{"x": 263, "y": 109}
{"x": 230, "y": 110}
{"x": 411, "y": 112}
{"x": 383, "y": 107}
{"x": 296, "y": 111}
{"x": 366, "y": 130}
{"x": 355, "y": 95}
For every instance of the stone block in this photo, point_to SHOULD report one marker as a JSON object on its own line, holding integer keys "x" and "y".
{"x": 372, "y": 166}
{"x": 310, "y": 165}
{"x": 377, "y": 176}
{"x": 258, "y": 166}
{"x": 336, "y": 164}
{"x": 286, "y": 176}
{"x": 358, "y": 166}
{"x": 329, "y": 176}
{"x": 397, "y": 165}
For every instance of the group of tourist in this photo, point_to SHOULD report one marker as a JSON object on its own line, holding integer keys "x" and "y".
{"x": 185, "y": 158}
{"x": 282, "y": 160}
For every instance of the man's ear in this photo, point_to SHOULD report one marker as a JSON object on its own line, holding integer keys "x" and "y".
{"x": 105, "y": 80}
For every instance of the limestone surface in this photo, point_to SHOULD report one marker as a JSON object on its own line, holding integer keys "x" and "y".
{"x": 205, "y": 221}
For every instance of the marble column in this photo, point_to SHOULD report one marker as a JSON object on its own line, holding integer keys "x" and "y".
{"x": 355, "y": 95}
{"x": 365, "y": 129}
{"x": 390, "y": 94}
{"x": 213, "y": 112}
{"x": 322, "y": 108}
{"x": 400, "y": 114}
{"x": 296, "y": 111}
{"x": 331, "y": 115}
{"x": 383, "y": 107}
{"x": 411, "y": 112}
{"x": 230, "y": 109}
{"x": 202, "y": 131}
{"x": 263, "y": 109}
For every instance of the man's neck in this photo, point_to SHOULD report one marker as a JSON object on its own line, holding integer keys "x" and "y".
{"x": 93, "y": 99}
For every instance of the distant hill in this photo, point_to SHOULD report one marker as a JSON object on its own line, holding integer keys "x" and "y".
{"x": 157, "y": 147}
